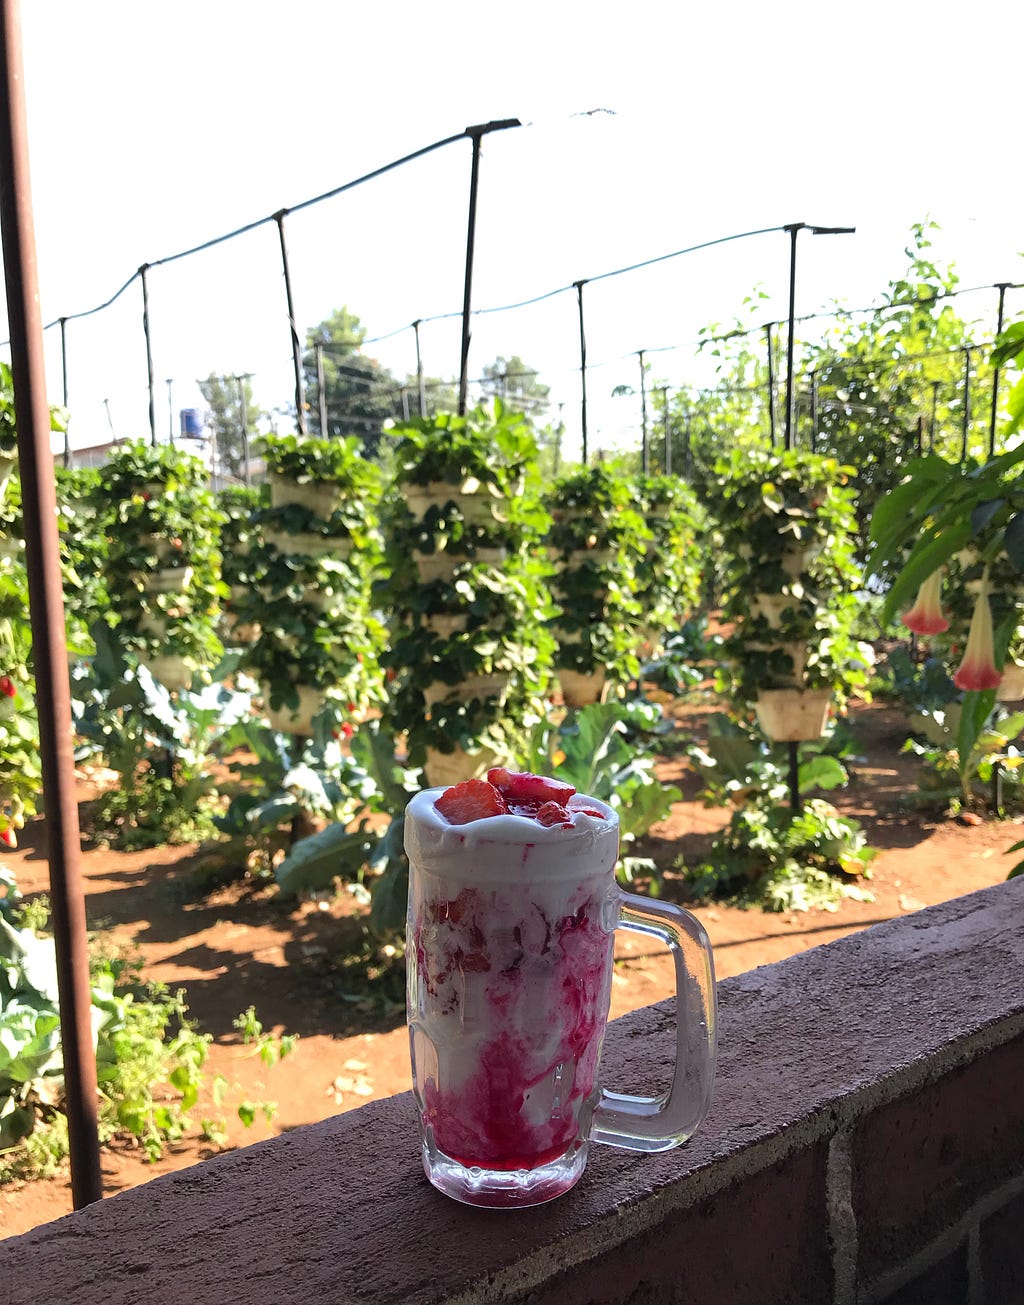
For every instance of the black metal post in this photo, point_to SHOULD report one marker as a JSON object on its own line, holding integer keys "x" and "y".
{"x": 1002, "y": 288}
{"x": 476, "y": 134}
{"x": 795, "y": 801}
{"x": 64, "y": 390}
{"x": 583, "y": 367}
{"x": 645, "y": 446}
{"x": 935, "y": 416}
{"x": 814, "y": 411}
{"x": 419, "y": 371}
{"x": 321, "y": 390}
{"x": 966, "y": 418}
{"x": 149, "y": 352}
{"x": 686, "y": 447}
{"x": 920, "y": 435}
{"x": 300, "y": 396}
{"x": 771, "y": 381}
{"x": 46, "y": 612}
{"x": 170, "y": 410}
{"x": 794, "y": 229}
{"x": 244, "y": 416}
{"x": 668, "y": 432}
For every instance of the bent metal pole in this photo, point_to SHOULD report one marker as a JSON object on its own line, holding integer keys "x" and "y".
{"x": 46, "y": 604}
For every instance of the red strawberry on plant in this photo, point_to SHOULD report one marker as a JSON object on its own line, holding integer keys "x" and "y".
{"x": 9, "y": 837}
{"x": 475, "y": 799}
{"x": 7, "y": 686}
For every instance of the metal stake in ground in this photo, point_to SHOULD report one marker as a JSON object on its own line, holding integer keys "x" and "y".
{"x": 795, "y": 802}
{"x": 46, "y": 610}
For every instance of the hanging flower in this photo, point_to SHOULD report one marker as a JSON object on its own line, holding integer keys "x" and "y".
{"x": 978, "y": 668}
{"x": 925, "y": 617}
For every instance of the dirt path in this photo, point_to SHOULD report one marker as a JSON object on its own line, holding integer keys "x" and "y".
{"x": 240, "y": 945}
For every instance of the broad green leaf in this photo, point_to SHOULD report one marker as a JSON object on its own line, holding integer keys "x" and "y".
{"x": 315, "y": 862}
{"x": 390, "y": 898}
{"x": 822, "y": 772}
{"x": 924, "y": 559}
{"x": 1013, "y": 540}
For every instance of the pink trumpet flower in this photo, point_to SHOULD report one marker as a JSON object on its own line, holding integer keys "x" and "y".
{"x": 978, "y": 668}
{"x": 925, "y": 617}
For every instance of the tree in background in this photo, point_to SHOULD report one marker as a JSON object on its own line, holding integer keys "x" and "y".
{"x": 225, "y": 396}
{"x": 517, "y": 386}
{"x": 892, "y": 384}
{"x": 867, "y": 393}
{"x": 359, "y": 395}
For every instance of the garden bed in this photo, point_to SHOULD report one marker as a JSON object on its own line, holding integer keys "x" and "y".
{"x": 235, "y": 945}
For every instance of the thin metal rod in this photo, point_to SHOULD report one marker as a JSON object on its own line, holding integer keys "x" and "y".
{"x": 645, "y": 445}
{"x": 300, "y": 397}
{"x": 795, "y": 801}
{"x": 771, "y": 381}
{"x": 46, "y": 611}
{"x": 244, "y": 414}
{"x": 321, "y": 390}
{"x": 814, "y": 410}
{"x": 149, "y": 352}
{"x": 583, "y": 367}
{"x": 170, "y": 410}
{"x": 476, "y": 134}
{"x": 933, "y": 425}
{"x": 64, "y": 390}
{"x": 1002, "y": 288}
{"x": 467, "y": 292}
{"x": 668, "y": 431}
{"x": 966, "y": 419}
{"x": 794, "y": 229}
{"x": 420, "y": 387}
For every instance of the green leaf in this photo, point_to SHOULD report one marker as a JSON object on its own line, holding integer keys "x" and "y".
{"x": 822, "y": 772}
{"x": 1013, "y": 540}
{"x": 976, "y": 709}
{"x": 315, "y": 862}
{"x": 983, "y": 513}
{"x": 924, "y": 559}
{"x": 390, "y": 898}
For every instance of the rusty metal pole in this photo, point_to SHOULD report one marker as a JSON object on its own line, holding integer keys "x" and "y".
{"x": 46, "y": 610}
{"x": 300, "y": 397}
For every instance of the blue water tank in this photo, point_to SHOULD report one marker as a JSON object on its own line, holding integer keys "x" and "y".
{"x": 191, "y": 424}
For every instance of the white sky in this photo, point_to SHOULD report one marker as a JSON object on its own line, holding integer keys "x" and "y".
{"x": 156, "y": 126}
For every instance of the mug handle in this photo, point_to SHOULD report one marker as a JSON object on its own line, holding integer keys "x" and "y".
{"x": 662, "y": 1122}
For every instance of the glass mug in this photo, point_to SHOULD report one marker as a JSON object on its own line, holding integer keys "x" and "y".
{"x": 510, "y": 947}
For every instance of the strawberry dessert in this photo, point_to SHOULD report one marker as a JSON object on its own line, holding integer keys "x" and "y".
{"x": 512, "y": 911}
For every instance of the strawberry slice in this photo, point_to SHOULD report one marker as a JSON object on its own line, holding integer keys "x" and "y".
{"x": 551, "y": 813}
{"x": 475, "y": 799}
{"x": 518, "y": 786}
